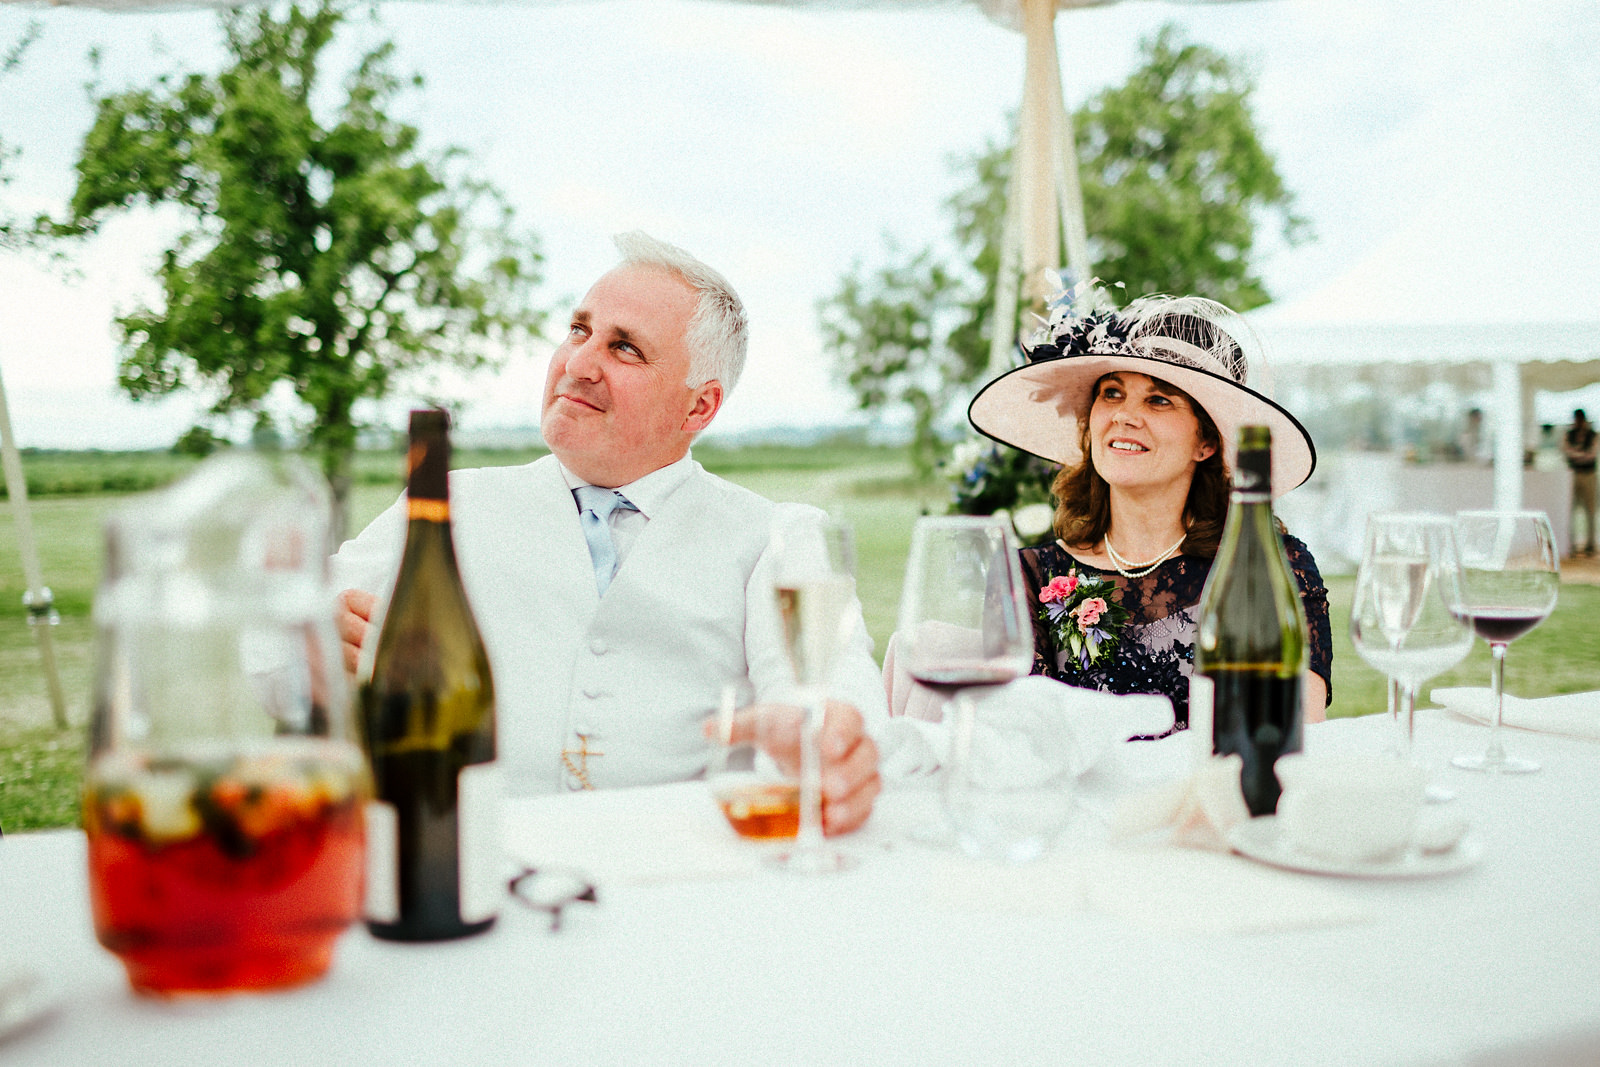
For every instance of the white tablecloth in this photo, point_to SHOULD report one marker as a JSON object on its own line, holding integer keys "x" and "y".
{"x": 1499, "y": 964}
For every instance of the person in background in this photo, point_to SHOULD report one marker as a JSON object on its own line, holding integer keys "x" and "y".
{"x": 1578, "y": 447}
{"x": 1474, "y": 444}
{"x": 1142, "y": 407}
{"x": 618, "y": 585}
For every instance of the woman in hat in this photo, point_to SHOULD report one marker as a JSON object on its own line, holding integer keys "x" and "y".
{"x": 1142, "y": 408}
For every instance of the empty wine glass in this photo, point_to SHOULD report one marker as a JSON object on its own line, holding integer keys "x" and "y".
{"x": 1509, "y": 584}
{"x": 1406, "y": 618}
{"x": 814, "y": 582}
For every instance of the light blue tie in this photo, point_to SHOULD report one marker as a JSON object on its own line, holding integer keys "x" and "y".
{"x": 596, "y": 505}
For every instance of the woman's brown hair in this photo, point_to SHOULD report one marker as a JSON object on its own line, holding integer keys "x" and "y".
{"x": 1083, "y": 499}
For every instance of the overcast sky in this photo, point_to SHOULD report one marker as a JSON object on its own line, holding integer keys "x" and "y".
{"x": 1445, "y": 154}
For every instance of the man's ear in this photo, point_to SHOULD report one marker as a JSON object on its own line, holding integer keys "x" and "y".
{"x": 707, "y": 402}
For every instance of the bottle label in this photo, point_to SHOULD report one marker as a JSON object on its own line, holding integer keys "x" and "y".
{"x": 383, "y": 863}
{"x": 428, "y": 510}
{"x": 478, "y": 792}
{"x": 1202, "y": 716}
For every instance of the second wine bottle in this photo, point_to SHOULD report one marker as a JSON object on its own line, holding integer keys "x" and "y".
{"x": 1251, "y": 650}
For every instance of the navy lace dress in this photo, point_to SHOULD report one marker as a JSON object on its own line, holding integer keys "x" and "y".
{"x": 1156, "y": 654}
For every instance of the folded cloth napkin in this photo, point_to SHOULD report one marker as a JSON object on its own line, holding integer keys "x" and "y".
{"x": 1199, "y": 811}
{"x": 1098, "y": 723}
{"x": 1571, "y": 714}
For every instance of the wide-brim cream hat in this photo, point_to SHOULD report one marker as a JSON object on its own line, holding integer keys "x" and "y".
{"x": 1195, "y": 344}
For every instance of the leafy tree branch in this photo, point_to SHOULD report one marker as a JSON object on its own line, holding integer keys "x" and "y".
{"x": 327, "y": 252}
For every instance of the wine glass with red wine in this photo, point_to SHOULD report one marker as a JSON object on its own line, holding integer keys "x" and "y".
{"x": 1509, "y": 584}
{"x": 963, "y": 614}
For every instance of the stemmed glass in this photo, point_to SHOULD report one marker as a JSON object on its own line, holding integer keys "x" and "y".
{"x": 814, "y": 582}
{"x": 1406, "y": 618}
{"x": 963, "y": 614}
{"x": 963, "y": 617}
{"x": 1509, "y": 581}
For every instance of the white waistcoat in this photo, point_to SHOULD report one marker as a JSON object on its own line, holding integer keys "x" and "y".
{"x": 630, "y": 676}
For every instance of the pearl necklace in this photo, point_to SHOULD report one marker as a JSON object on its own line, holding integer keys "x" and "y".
{"x": 1139, "y": 570}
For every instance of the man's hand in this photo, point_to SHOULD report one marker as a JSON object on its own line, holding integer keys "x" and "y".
{"x": 355, "y": 612}
{"x": 850, "y": 781}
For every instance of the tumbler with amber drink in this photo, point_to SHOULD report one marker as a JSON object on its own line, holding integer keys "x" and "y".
{"x": 759, "y": 796}
{"x": 224, "y": 794}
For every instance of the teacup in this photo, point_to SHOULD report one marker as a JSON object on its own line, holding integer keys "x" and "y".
{"x": 1349, "y": 809}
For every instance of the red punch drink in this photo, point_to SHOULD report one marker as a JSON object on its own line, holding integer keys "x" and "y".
{"x": 219, "y": 871}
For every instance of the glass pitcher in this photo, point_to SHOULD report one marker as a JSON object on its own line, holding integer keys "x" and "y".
{"x": 224, "y": 794}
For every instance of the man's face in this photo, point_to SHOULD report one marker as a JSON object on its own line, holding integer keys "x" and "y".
{"x": 615, "y": 403}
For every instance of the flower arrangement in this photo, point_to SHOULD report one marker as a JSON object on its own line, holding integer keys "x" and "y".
{"x": 1084, "y": 616}
{"x": 990, "y": 479}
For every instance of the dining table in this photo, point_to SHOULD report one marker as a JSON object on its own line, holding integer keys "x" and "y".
{"x": 1110, "y": 949}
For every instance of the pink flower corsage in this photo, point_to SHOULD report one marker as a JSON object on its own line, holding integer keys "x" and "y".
{"x": 1084, "y": 616}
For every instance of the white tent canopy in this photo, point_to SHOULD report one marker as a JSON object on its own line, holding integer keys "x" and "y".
{"x": 1507, "y": 359}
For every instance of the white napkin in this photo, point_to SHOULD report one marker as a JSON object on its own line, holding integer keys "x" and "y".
{"x": 650, "y": 834}
{"x": 1098, "y": 723}
{"x": 1200, "y": 810}
{"x": 1571, "y": 714}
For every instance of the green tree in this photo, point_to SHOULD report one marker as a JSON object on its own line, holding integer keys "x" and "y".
{"x": 1176, "y": 181}
{"x": 907, "y": 361}
{"x": 327, "y": 252}
{"x": 13, "y": 233}
{"x": 1176, "y": 184}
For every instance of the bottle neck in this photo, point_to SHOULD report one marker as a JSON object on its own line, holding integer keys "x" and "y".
{"x": 428, "y": 475}
{"x": 1252, "y": 474}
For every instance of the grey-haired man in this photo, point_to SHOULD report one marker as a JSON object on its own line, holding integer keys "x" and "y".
{"x": 608, "y": 651}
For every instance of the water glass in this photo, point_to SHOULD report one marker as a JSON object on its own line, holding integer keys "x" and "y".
{"x": 1008, "y": 785}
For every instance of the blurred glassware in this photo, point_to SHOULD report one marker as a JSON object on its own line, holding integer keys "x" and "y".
{"x": 224, "y": 793}
{"x": 759, "y": 798}
{"x": 814, "y": 583}
{"x": 1405, "y": 619}
{"x": 1008, "y": 785}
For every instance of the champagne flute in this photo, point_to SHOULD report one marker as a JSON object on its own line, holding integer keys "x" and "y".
{"x": 815, "y": 588}
{"x": 1509, "y": 582}
{"x": 1406, "y": 617}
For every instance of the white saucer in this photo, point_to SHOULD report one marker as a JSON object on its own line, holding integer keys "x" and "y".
{"x": 1262, "y": 840}
{"x": 24, "y": 1000}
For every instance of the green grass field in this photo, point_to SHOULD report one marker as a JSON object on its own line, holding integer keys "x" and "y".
{"x": 40, "y": 767}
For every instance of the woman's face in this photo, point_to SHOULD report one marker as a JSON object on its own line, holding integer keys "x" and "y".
{"x": 1144, "y": 433}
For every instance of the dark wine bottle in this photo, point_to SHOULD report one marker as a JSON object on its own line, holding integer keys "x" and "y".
{"x": 1251, "y": 651}
{"x": 433, "y": 829}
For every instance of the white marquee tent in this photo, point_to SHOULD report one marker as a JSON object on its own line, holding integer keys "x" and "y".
{"x": 1480, "y": 283}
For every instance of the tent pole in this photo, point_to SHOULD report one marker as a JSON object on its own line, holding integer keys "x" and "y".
{"x": 1041, "y": 226}
{"x": 41, "y": 605}
{"x": 1003, "y": 324}
{"x": 1508, "y": 436}
{"x": 1074, "y": 229}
